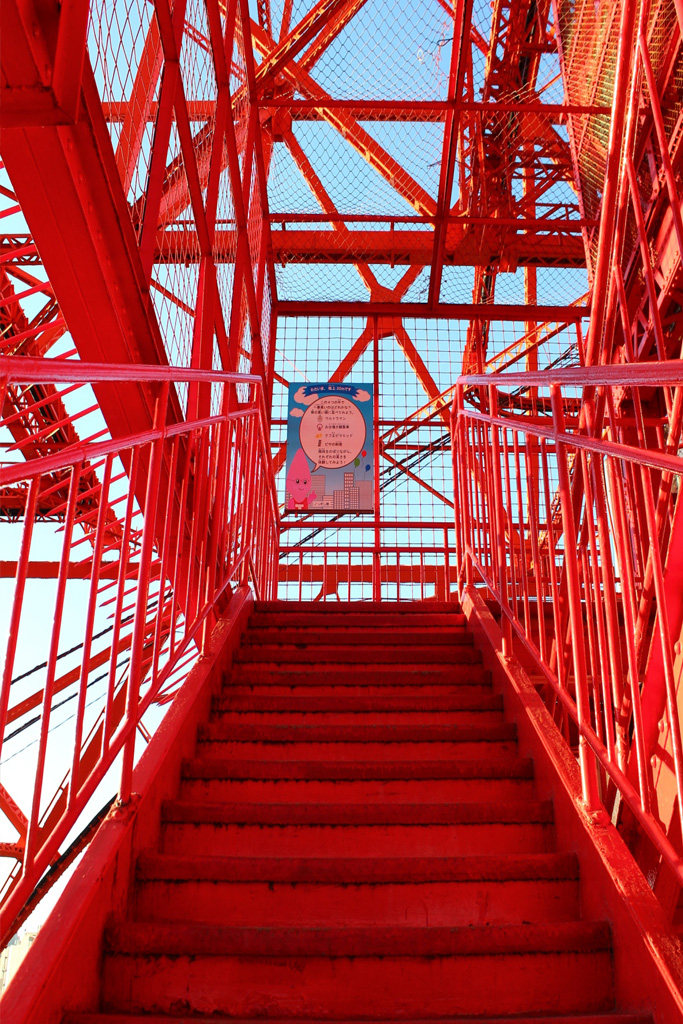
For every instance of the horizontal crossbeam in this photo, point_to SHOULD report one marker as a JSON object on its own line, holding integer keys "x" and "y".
{"x": 403, "y": 247}
{"x": 446, "y": 310}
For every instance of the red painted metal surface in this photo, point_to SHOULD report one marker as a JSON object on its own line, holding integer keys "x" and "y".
{"x": 575, "y": 582}
{"x": 495, "y": 190}
{"x": 158, "y": 574}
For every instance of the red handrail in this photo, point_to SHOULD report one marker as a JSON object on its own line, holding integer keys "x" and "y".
{"x": 173, "y": 518}
{"x": 572, "y": 525}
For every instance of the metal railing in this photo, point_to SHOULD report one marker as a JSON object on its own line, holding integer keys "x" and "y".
{"x": 149, "y": 533}
{"x": 571, "y": 519}
{"x": 372, "y": 566}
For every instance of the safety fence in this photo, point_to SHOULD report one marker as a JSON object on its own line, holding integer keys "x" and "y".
{"x": 137, "y": 541}
{"x": 382, "y": 561}
{"x": 567, "y": 486}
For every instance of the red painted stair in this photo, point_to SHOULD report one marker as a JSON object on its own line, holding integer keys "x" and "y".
{"x": 357, "y": 839}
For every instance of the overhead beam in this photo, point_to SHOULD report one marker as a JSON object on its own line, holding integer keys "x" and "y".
{"x": 394, "y": 247}
{"x": 444, "y": 310}
{"x": 462, "y": 18}
{"x": 373, "y": 110}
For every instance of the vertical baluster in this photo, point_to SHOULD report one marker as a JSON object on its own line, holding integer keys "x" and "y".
{"x": 89, "y": 628}
{"x": 586, "y": 757}
{"x": 499, "y": 522}
{"x": 124, "y": 555}
{"x": 600, "y": 611}
{"x": 18, "y": 599}
{"x": 136, "y": 670}
{"x": 32, "y": 837}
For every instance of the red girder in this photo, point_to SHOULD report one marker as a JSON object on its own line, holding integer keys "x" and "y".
{"x": 494, "y": 311}
{"x": 318, "y": 19}
{"x": 350, "y": 130}
{"x": 462, "y": 18}
{"x": 412, "y": 247}
{"x": 412, "y": 111}
{"x": 85, "y": 241}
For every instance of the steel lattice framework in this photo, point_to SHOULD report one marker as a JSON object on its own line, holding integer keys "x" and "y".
{"x": 206, "y": 199}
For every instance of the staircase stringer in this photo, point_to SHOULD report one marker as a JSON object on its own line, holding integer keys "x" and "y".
{"x": 66, "y": 955}
{"x": 648, "y": 956}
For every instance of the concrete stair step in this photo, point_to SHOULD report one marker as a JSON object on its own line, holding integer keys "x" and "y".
{"x": 439, "y": 904}
{"x": 373, "y": 971}
{"x": 355, "y": 791}
{"x": 180, "y": 811}
{"x": 160, "y": 939}
{"x": 457, "y": 840}
{"x": 364, "y": 829}
{"x": 347, "y": 636}
{"x": 360, "y": 733}
{"x": 416, "y": 674}
{"x": 499, "y": 868}
{"x": 415, "y": 657}
{"x": 352, "y": 751}
{"x": 368, "y": 612}
{"x": 154, "y": 1018}
{"x": 457, "y": 699}
{"x": 314, "y": 892}
{"x": 283, "y": 684}
{"x": 372, "y": 719}
{"x": 505, "y": 767}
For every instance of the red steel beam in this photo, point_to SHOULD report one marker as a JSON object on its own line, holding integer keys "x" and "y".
{"x": 365, "y": 144}
{"x": 462, "y": 17}
{"x": 447, "y": 310}
{"x": 318, "y": 18}
{"x": 413, "y": 247}
{"x": 138, "y": 110}
{"x": 69, "y": 188}
{"x": 330, "y": 33}
{"x": 370, "y": 110}
{"x": 175, "y": 197}
{"x": 324, "y": 201}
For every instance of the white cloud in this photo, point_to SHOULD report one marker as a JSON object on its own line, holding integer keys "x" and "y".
{"x": 296, "y": 412}
{"x": 362, "y": 396}
{"x": 304, "y": 399}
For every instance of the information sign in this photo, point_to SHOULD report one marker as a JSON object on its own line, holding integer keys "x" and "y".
{"x": 330, "y": 454}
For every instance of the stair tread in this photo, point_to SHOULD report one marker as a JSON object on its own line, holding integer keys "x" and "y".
{"x": 135, "y": 1018}
{"x": 440, "y": 635}
{"x": 235, "y": 768}
{"x": 421, "y": 660}
{"x": 371, "y": 653}
{"x": 380, "y": 693}
{"x": 224, "y": 812}
{"x": 355, "y": 619}
{"x": 504, "y": 766}
{"x": 361, "y": 733}
{"x": 457, "y": 701}
{"x": 358, "y": 870}
{"x": 181, "y": 939}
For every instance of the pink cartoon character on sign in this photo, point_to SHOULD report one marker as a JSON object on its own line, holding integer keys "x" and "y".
{"x": 298, "y": 483}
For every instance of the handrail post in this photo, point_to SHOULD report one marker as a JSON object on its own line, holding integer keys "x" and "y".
{"x": 587, "y": 764}
{"x": 499, "y": 523}
{"x": 148, "y": 533}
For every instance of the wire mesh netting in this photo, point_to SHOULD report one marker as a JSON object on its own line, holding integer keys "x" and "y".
{"x": 126, "y": 52}
{"x": 330, "y": 555}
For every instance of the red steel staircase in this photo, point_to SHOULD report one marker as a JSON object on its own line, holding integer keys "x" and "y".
{"x": 357, "y": 838}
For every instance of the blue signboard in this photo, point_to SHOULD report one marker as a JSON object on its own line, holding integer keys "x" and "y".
{"x": 330, "y": 454}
